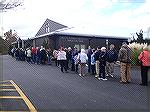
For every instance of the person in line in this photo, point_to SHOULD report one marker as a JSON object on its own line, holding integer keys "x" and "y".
{"x": 29, "y": 55}
{"x": 82, "y": 57}
{"x": 33, "y": 50}
{"x": 76, "y": 61}
{"x": 124, "y": 57}
{"x": 69, "y": 57}
{"x": 93, "y": 69}
{"x": 112, "y": 57}
{"x": 89, "y": 53}
{"x": 55, "y": 54}
{"x": 49, "y": 56}
{"x": 62, "y": 59}
{"x": 38, "y": 56}
{"x": 102, "y": 65}
{"x": 144, "y": 57}
{"x": 96, "y": 56}
{"x": 73, "y": 55}
{"x": 17, "y": 54}
{"x": 43, "y": 55}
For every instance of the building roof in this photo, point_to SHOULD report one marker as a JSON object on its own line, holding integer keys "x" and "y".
{"x": 59, "y": 29}
{"x": 49, "y": 26}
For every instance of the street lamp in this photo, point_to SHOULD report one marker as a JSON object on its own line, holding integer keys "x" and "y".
{"x": 107, "y": 43}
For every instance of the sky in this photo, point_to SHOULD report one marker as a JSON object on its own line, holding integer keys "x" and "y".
{"x": 100, "y": 17}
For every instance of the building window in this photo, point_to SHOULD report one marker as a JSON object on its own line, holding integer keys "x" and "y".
{"x": 47, "y": 29}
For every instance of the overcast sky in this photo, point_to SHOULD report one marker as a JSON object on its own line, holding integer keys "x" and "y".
{"x": 105, "y": 17}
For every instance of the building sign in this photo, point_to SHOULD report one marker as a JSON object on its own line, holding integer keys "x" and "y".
{"x": 76, "y": 40}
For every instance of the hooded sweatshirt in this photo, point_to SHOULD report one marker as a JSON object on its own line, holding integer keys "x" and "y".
{"x": 82, "y": 56}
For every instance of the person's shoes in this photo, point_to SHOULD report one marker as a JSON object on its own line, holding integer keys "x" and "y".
{"x": 143, "y": 84}
{"x": 96, "y": 76}
{"x": 128, "y": 81}
{"x": 123, "y": 82}
{"x": 66, "y": 72}
{"x": 107, "y": 75}
{"x": 100, "y": 78}
{"x": 104, "y": 79}
{"x": 80, "y": 75}
{"x": 111, "y": 76}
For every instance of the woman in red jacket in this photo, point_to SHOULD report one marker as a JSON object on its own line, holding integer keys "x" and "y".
{"x": 144, "y": 57}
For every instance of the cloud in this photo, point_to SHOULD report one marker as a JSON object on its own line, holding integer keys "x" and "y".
{"x": 88, "y": 14}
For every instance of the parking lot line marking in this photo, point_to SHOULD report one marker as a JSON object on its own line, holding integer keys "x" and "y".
{"x": 6, "y": 85}
{"x": 15, "y": 111}
{"x": 7, "y": 89}
{"x": 5, "y": 81}
{"x": 10, "y": 97}
{"x": 26, "y": 100}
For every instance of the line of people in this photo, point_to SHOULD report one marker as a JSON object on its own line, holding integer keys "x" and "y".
{"x": 98, "y": 62}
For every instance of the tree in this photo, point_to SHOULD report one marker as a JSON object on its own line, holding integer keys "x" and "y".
{"x": 10, "y": 37}
{"x": 10, "y": 4}
{"x": 140, "y": 36}
{"x": 3, "y": 48}
{"x": 45, "y": 44}
{"x": 147, "y": 40}
{"x": 1, "y": 44}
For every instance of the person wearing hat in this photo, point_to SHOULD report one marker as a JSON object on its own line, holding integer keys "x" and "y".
{"x": 102, "y": 65}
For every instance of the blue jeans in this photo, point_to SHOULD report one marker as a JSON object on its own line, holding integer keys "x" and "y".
{"x": 49, "y": 60}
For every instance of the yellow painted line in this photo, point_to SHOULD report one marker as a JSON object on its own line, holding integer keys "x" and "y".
{"x": 5, "y": 81}
{"x": 7, "y": 89}
{"x": 26, "y": 100}
{"x": 14, "y": 111}
{"x": 10, "y": 97}
{"x": 6, "y": 85}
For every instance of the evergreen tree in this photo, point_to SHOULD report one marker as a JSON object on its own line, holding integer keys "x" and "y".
{"x": 140, "y": 36}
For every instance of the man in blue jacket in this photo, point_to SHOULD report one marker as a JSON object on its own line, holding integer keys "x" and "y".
{"x": 112, "y": 57}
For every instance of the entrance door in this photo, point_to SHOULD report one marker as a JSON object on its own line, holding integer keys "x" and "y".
{"x": 79, "y": 47}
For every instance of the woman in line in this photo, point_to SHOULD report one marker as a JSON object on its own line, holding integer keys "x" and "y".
{"x": 82, "y": 57}
{"x": 144, "y": 57}
{"x": 62, "y": 59}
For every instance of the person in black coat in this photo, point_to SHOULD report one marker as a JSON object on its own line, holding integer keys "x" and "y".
{"x": 102, "y": 60}
{"x": 96, "y": 57}
{"x": 43, "y": 55}
{"x": 89, "y": 53}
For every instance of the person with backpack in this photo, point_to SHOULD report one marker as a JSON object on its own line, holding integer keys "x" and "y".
{"x": 102, "y": 65}
{"x": 112, "y": 57}
{"x": 124, "y": 57}
{"x": 144, "y": 57}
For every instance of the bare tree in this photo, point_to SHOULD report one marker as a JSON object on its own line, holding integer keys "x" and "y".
{"x": 10, "y": 4}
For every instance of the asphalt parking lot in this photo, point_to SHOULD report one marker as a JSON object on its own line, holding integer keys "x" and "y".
{"x": 48, "y": 89}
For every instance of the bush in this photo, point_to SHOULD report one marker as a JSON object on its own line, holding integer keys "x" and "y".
{"x": 136, "y": 50}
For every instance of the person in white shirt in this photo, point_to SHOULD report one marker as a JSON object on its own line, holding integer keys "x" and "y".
{"x": 82, "y": 58}
{"x": 62, "y": 59}
{"x": 29, "y": 55}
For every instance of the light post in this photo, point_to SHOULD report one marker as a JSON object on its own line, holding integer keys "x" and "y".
{"x": 107, "y": 43}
